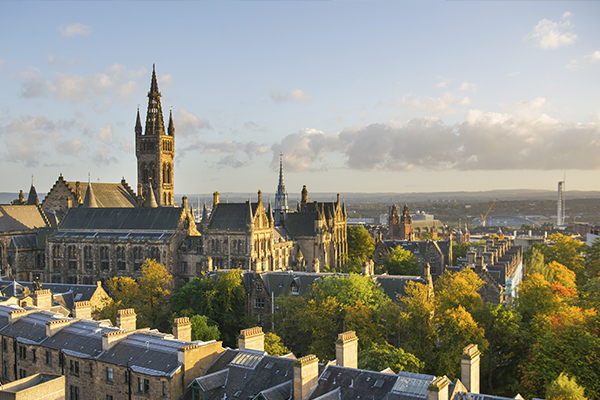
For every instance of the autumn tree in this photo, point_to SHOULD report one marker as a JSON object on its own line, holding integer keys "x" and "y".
{"x": 566, "y": 251}
{"x": 458, "y": 289}
{"x": 418, "y": 334}
{"x": 274, "y": 346}
{"x": 565, "y": 388}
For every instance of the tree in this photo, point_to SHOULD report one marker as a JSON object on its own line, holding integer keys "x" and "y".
{"x": 458, "y": 289}
{"x": 507, "y": 345}
{"x": 456, "y": 329}
{"x": 360, "y": 244}
{"x": 563, "y": 388}
{"x": 274, "y": 346}
{"x": 537, "y": 297}
{"x": 566, "y": 251}
{"x": 402, "y": 262}
{"x": 222, "y": 301}
{"x": 149, "y": 296}
{"x": 348, "y": 290}
{"x": 155, "y": 294}
{"x": 381, "y": 356}
{"x": 201, "y": 330}
{"x": 592, "y": 259}
{"x": 590, "y": 294}
{"x": 417, "y": 331}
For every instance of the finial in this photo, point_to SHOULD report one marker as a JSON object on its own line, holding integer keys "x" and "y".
{"x": 31, "y": 179}
{"x": 89, "y": 177}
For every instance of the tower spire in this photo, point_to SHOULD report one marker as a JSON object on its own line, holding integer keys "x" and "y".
{"x": 171, "y": 129}
{"x": 281, "y": 198}
{"x": 138, "y": 123}
{"x": 155, "y": 124}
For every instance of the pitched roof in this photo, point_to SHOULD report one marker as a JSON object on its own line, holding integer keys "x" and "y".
{"x": 231, "y": 216}
{"x": 147, "y": 219}
{"x": 301, "y": 224}
{"x": 64, "y": 293}
{"x": 83, "y": 336}
{"x": 107, "y": 194}
{"x": 21, "y": 218}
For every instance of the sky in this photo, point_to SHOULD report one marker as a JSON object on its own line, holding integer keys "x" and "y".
{"x": 359, "y": 96}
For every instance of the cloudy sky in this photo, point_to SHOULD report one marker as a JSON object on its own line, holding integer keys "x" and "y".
{"x": 360, "y": 96}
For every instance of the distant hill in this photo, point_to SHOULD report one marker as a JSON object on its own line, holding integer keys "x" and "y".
{"x": 389, "y": 198}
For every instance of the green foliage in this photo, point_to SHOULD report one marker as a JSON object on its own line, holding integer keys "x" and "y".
{"x": 360, "y": 244}
{"x": 592, "y": 259}
{"x": 590, "y": 294}
{"x": 563, "y": 388}
{"x": 380, "y": 357}
{"x": 274, "y": 346}
{"x": 402, "y": 262}
{"x": 537, "y": 297}
{"x": 149, "y": 296}
{"x": 347, "y": 290}
{"x": 222, "y": 301}
{"x": 201, "y": 330}
{"x": 534, "y": 262}
{"x": 417, "y": 331}
{"x": 507, "y": 345}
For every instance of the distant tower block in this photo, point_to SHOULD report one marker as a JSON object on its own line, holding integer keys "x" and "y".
{"x": 560, "y": 213}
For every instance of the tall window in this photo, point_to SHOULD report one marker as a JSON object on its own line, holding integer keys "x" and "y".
{"x": 155, "y": 254}
{"x": 138, "y": 258}
{"x": 72, "y": 257}
{"x": 121, "y": 259}
{"x": 104, "y": 258}
{"x": 109, "y": 374}
{"x": 88, "y": 260}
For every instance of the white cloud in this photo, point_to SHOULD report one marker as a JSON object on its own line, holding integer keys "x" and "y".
{"x": 187, "y": 124}
{"x": 524, "y": 138}
{"x": 295, "y": 96}
{"x": 96, "y": 91}
{"x": 468, "y": 86}
{"x": 76, "y": 29}
{"x": 234, "y": 154}
{"x": 1, "y": 65}
{"x": 514, "y": 73}
{"x": 592, "y": 57}
{"x": 443, "y": 83}
{"x": 447, "y": 104}
{"x": 552, "y": 35}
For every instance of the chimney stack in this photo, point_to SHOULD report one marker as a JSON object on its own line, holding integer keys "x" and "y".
{"x": 216, "y": 197}
{"x": 368, "y": 268}
{"x": 346, "y": 350}
{"x": 56, "y": 325}
{"x": 182, "y": 329}
{"x": 306, "y": 376}
{"x": 82, "y": 309}
{"x": 252, "y": 339}
{"x": 469, "y": 367}
{"x": 184, "y": 202}
{"x": 126, "y": 319}
{"x": 438, "y": 389}
{"x": 43, "y": 298}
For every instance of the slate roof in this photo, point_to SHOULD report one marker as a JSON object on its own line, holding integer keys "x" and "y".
{"x": 107, "y": 194}
{"x": 346, "y": 383}
{"x": 21, "y": 218}
{"x": 29, "y": 327}
{"x": 120, "y": 219}
{"x": 83, "y": 336}
{"x": 301, "y": 224}
{"x": 394, "y": 285}
{"x": 231, "y": 216}
{"x": 245, "y": 380}
{"x": 146, "y": 352}
{"x": 64, "y": 293}
{"x": 23, "y": 241}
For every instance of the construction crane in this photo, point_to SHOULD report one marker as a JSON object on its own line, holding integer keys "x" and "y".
{"x": 487, "y": 213}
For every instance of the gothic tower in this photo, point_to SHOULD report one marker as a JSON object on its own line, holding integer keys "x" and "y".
{"x": 281, "y": 198}
{"x": 406, "y": 231}
{"x": 155, "y": 150}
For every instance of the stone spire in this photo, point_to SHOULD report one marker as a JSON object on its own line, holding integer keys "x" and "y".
{"x": 281, "y": 198}
{"x": 171, "y": 129}
{"x": 90, "y": 199}
{"x": 150, "y": 200}
{"x": 32, "y": 199}
{"x": 155, "y": 125}
{"x": 138, "y": 123}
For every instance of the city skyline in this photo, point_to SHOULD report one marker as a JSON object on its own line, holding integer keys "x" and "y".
{"x": 358, "y": 96}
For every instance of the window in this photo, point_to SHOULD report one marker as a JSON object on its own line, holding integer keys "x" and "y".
{"x": 109, "y": 397}
{"x": 34, "y": 355}
{"x": 104, "y": 258}
{"x": 164, "y": 388}
{"x": 88, "y": 259}
{"x": 74, "y": 366}
{"x": 146, "y": 386}
{"x": 5, "y": 369}
{"x": 109, "y": 374}
{"x": 23, "y": 352}
{"x": 259, "y": 303}
{"x": 184, "y": 266}
{"x": 4, "y": 345}
{"x": 126, "y": 376}
{"x": 74, "y": 393}
{"x": 121, "y": 260}
{"x": 48, "y": 358}
{"x": 22, "y": 373}
{"x": 140, "y": 385}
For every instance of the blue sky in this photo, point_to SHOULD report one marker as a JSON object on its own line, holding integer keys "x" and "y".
{"x": 360, "y": 96}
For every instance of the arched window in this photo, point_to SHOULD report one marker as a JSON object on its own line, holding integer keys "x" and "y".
{"x": 88, "y": 260}
{"x": 121, "y": 259}
{"x": 138, "y": 257}
{"x": 104, "y": 258}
